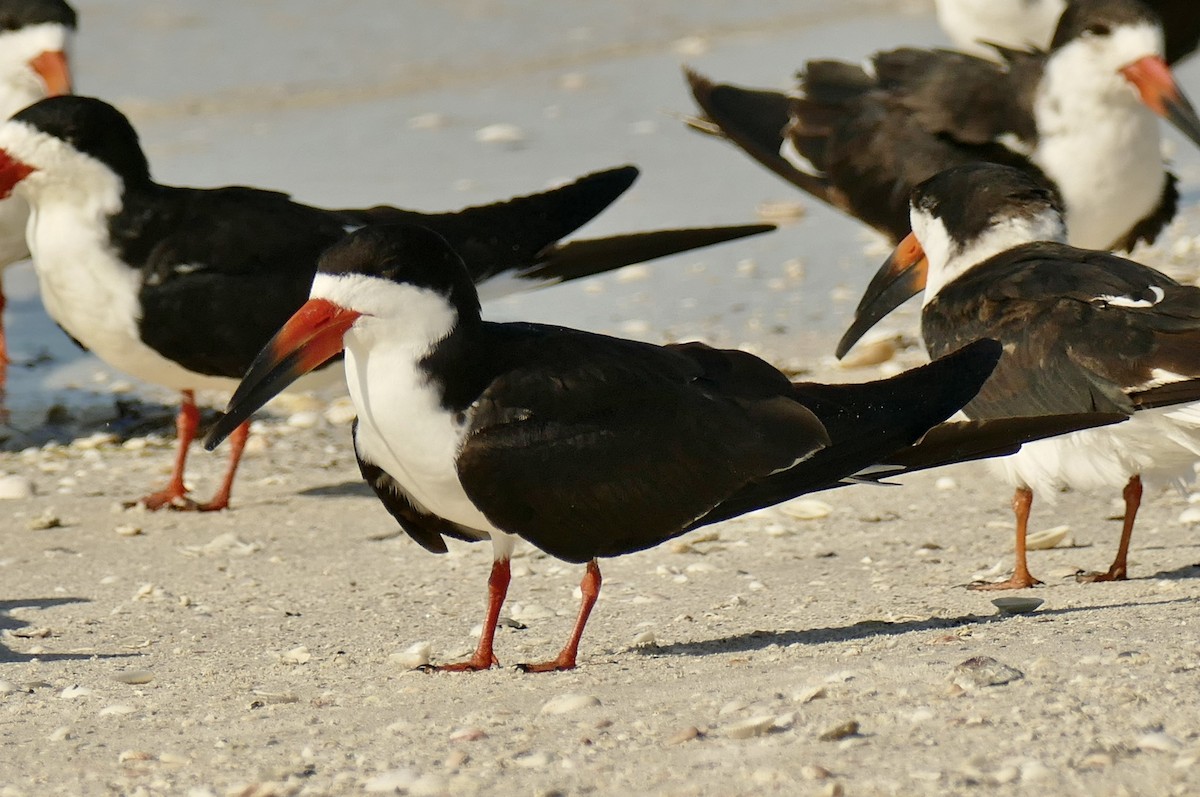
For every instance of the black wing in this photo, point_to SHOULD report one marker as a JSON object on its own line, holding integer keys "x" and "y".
{"x": 613, "y": 446}
{"x": 867, "y": 423}
{"x": 1082, "y": 330}
{"x": 497, "y": 237}
{"x": 876, "y": 137}
{"x": 222, "y": 269}
{"x": 523, "y": 236}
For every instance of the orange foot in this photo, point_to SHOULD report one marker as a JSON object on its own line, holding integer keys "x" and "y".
{"x": 1114, "y": 574}
{"x": 177, "y": 501}
{"x": 1023, "y": 582}
{"x": 473, "y": 664}
{"x": 561, "y": 664}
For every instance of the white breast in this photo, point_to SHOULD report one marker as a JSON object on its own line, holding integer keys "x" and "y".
{"x": 403, "y": 428}
{"x": 1162, "y": 445}
{"x": 88, "y": 291}
{"x": 1099, "y": 144}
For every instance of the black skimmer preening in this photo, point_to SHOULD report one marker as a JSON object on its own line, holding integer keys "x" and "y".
{"x": 1082, "y": 116}
{"x": 181, "y": 287}
{"x": 976, "y": 26}
{"x": 1082, "y": 330}
{"x": 584, "y": 445}
{"x": 34, "y": 39}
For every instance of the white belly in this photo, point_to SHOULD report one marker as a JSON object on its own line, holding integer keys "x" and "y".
{"x": 403, "y": 429}
{"x": 1110, "y": 174}
{"x": 1162, "y": 445}
{"x": 94, "y": 297}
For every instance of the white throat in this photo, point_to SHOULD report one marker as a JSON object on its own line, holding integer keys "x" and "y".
{"x": 402, "y": 426}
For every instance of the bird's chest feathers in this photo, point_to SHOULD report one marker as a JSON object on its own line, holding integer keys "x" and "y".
{"x": 85, "y": 286}
{"x": 404, "y": 429}
{"x": 1106, "y": 161}
{"x": 93, "y": 295}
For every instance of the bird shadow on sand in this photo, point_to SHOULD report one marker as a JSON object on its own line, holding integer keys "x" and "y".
{"x": 355, "y": 487}
{"x": 80, "y": 413}
{"x": 10, "y": 625}
{"x": 1180, "y": 573}
{"x": 865, "y": 630}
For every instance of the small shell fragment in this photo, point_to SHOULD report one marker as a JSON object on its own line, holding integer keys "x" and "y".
{"x": 566, "y": 703}
{"x": 134, "y": 677}
{"x": 1017, "y": 605}
{"x": 413, "y": 657}
{"x": 806, "y": 509}
{"x": 1046, "y": 539}
{"x": 866, "y": 355}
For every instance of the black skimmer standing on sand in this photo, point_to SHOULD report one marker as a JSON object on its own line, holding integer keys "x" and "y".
{"x": 977, "y": 26}
{"x": 1082, "y": 330}
{"x": 1081, "y": 116}
{"x": 34, "y": 38}
{"x": 181, "y": 287}
{"x": 584, "y": 445}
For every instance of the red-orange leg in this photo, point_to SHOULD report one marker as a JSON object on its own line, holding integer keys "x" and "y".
{"x": 483, "y": 657}
{"x": 1021, "y": 577}
{"x": 590, "y": 587}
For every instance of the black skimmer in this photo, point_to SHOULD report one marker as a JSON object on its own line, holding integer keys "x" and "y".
{"x": 977, "y": 26}
{"x": 584, "y": 445}
{"x": 34, "y": 39}
{"x": 1082, "y": 330}
{"x": 181, "y": 287}
{"x": 1081, "y": 116}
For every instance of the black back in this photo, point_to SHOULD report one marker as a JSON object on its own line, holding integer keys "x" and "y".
{"x": 592, "y": 446}
{"x": 94, "y": 128}
{"x": 17, "y": 14}
{"x": 1068, "y": 347}
{"x": 876, "y": 137}
{"x": 1100, "y": 17}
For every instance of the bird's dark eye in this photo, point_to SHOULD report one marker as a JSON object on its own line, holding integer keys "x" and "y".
{"x": 1098, "y": 29}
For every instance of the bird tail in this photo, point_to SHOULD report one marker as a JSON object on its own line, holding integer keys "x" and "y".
{"x": 896, "y": 426}
{"x": 756, "y": 121}
{"x": 519, "y": 239}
